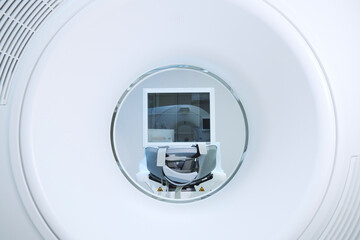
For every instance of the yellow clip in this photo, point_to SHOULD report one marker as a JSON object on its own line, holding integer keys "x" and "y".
{"x": 201, "y": 189}
{"x": 159, "y": 189}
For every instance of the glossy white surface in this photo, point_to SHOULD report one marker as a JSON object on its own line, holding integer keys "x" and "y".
{"x": 64, "y": 134}
{"x": 331, "y": 27}
{"x": 282, "y": 191}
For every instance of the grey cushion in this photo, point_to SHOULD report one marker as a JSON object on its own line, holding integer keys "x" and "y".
{"x": 207, "y": 162}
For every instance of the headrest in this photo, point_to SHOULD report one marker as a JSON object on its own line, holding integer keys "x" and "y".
{"x": 181, "y": 165}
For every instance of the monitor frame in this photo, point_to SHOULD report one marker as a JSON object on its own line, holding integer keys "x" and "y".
{"x": 146, "y": 91}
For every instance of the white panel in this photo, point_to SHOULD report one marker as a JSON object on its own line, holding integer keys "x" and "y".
{"x": 19, "y": 20}
{"x": 345, "y": 223}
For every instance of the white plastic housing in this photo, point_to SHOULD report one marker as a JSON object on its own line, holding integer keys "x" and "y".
{"x": 294, "y": 73}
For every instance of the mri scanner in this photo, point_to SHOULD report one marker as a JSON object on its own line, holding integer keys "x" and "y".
{"x": 221, "y": 119}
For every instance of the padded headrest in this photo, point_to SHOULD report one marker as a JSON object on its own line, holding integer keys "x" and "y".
{"x": 183, "y": 160}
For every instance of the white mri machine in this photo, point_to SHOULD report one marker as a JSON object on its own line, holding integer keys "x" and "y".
{"x": 194, "y": 119}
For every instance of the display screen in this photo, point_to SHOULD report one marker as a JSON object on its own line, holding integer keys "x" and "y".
{"x": 178, "y": 117}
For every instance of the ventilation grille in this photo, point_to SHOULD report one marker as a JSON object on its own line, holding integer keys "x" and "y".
{"x": 19, "y": 20}
{"x": 346, "y": 221}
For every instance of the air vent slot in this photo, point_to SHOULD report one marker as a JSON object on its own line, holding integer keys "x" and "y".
{"x": 19, "y": 20}
{"x": 346, "y": 221}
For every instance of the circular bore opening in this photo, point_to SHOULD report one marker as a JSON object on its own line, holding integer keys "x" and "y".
{"x": 179, "y": 133}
